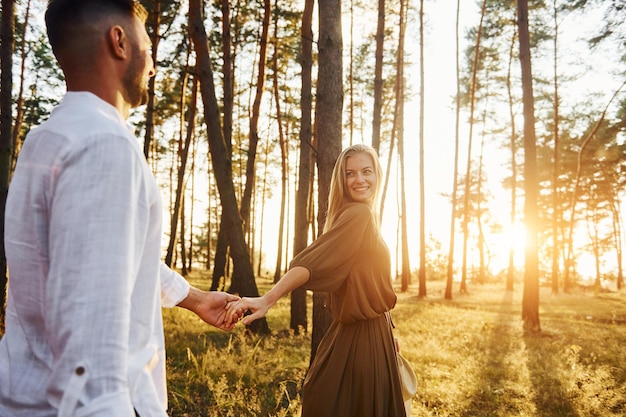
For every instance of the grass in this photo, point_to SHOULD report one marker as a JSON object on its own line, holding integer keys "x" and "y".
{"x": 471, "y": 356}
{"x": 216, "y": 373}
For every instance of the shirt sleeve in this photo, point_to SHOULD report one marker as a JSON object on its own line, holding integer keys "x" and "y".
{"x": 98, "y": 225}
{"x": 330, "y": 257}
{"x": 174, "y": 288}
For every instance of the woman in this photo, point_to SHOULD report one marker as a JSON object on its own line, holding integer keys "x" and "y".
{"x": 354, "y": 372}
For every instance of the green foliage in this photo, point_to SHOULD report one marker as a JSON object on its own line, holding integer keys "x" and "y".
{"x": 471, "y": 356}
{"x": 41, "y": 85}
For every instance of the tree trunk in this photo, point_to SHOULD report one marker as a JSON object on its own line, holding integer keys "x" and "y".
{"x": 263, "y": 199}
{"x": 378, "y": 75}
{"x": 183, "y": 245}
{"x": 305, "y": 173}
{"x": 221, "y": 259}
{"x": 19, "y": 101}
{"x": 398, "y": 129}
{"x": 468, "y": 169}
{"x": 422, "y": 233}
{"x": 211, "y": 220}
{"x": 242, "y": 269}
{"x": 254, "y": 119}
{"x": 154, "y": 24}
{"x": 6, "y": 123}
{"x": 392, "y": 144}
{"x": 192, "y": 197}
{"x": 482, "y": 269}
{"x": 182, "y": 168}
{"x": 556, "y": 212}
{"x": 450, "y": 267}
{"x": 221, "y": 249}
{"x": 530, "y": 300}
{"x": 594, "y": 238}
{"x": 617, "y": 237}
{"x": 227, "y": 73}
{"x": 351, "y": 105}
{"x": 283, "y": 161}
{"x": 510, "y": 276}
{"x": 328, "y": 122}
{"x": 616, "y": 223}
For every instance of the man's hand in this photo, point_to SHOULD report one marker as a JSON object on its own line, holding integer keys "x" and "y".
{"x": 211, "y": 307}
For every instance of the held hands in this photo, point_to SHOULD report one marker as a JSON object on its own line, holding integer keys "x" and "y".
{"x": 258, "y": 307}
{"x": 212, "y": 307}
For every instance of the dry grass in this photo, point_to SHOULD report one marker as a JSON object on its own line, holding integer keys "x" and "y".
{"x": 216, "y": 373}
{"x": 471, "y": 356}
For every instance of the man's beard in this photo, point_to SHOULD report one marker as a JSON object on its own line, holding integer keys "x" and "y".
{"x": 134, "y": 83}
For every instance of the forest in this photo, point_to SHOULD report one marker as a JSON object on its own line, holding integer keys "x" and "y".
{"x": 500, "y": 125}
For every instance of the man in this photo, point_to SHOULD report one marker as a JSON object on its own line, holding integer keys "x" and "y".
{"x": 84, "y": 333}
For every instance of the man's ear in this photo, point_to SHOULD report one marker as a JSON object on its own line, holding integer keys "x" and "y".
{"x": 118, "y": 42}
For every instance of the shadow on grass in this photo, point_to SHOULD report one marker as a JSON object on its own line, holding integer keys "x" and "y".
{"x": 550, "y": 397}
{"x": 504, "y": 383}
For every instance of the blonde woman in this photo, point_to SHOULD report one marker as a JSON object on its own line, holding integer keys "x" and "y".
{"x": 354, "y": 373}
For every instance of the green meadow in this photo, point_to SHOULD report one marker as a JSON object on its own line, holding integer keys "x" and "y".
{"x": 471, "y": 356}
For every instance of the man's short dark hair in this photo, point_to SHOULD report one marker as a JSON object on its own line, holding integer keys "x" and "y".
{"x": 63, "y": 17}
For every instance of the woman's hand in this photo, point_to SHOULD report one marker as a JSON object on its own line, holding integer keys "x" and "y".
{"x": 258, "y": 306}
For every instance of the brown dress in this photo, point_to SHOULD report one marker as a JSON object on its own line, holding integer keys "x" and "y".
{"x": 354, "y": 373}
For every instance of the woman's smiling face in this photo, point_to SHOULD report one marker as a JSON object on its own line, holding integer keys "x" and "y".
{"x": 360, "y": 177}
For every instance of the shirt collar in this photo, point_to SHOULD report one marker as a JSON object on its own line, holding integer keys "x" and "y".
{"x": 90, "y": 100}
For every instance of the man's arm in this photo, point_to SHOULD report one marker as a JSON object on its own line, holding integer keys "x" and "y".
{"x": 210, "y": 306}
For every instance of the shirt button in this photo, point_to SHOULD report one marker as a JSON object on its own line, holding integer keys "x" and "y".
{"x": 80, "y": 370}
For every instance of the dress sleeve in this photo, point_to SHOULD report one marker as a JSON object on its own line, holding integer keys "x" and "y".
{"x": 329, "y": 259}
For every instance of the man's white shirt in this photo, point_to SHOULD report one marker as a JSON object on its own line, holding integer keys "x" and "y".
{"x": 84, "y": 334}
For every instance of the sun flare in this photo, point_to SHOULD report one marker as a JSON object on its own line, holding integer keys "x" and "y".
{"x": 515, "y": 235}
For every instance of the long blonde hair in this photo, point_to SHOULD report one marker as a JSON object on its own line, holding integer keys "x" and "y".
{"x": 338, "y": 195}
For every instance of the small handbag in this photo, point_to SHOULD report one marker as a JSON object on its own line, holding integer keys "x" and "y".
{"x": 408, "y": 381}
